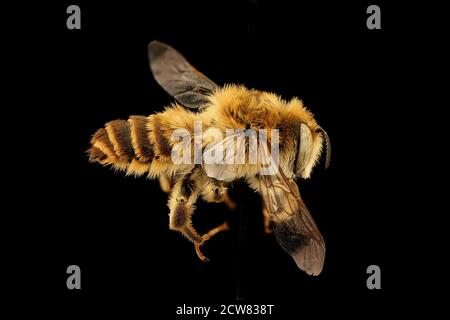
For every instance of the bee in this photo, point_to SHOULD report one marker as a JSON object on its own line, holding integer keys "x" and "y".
{"x": 145, "y": 145}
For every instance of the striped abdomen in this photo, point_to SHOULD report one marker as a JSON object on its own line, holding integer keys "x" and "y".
{"x": 123, "y": 144}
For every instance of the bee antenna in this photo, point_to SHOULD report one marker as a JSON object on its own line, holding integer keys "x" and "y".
{"x": 327, "y": 146}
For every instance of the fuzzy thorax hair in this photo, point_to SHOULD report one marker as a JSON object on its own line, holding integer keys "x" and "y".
{"x": 238, "y": 107}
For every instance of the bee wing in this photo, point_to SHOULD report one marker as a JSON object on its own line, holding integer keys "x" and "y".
{"x": 294, "y": 228}
{"x": 181, "y": 80}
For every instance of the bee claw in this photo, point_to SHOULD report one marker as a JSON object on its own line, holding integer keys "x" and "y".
{"x": 200, "y": 255}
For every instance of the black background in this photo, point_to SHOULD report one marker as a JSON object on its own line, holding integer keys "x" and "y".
{"x": 116, "y": 228}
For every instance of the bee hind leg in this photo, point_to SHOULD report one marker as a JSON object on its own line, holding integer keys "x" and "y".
{"x": 181, "y": 203}
{"x": 181, "y": 221}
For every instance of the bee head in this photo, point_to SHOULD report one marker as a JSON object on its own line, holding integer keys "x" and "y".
{"x": 309, "y": 149}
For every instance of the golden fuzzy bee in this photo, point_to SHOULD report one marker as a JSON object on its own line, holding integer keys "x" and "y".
{"x": 146, "y": 145}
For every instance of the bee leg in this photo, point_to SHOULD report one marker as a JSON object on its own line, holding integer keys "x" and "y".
{"x": 181, "y": 221}
{"x": 267, "y": 221}
{"x": 181, "y": 203}
{"x": 199, "y": 253}
{"x": 165, "y": 183}
{"x": 192, "y": 234}
{"x": 223, "y": 227}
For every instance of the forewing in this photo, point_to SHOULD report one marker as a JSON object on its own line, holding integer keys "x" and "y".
{"x": 294, "y": 228}
{"x": 181, "y": 80}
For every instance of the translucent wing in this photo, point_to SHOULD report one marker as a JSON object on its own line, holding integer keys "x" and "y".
{"x": 181, "y": 80}
{"x": 294, "y": 227}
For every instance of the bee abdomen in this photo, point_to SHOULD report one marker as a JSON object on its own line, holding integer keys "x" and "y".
{"x": 140, "y": 138}
{"x": 119, "y": 134}
{"x": 124, "y": 145}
